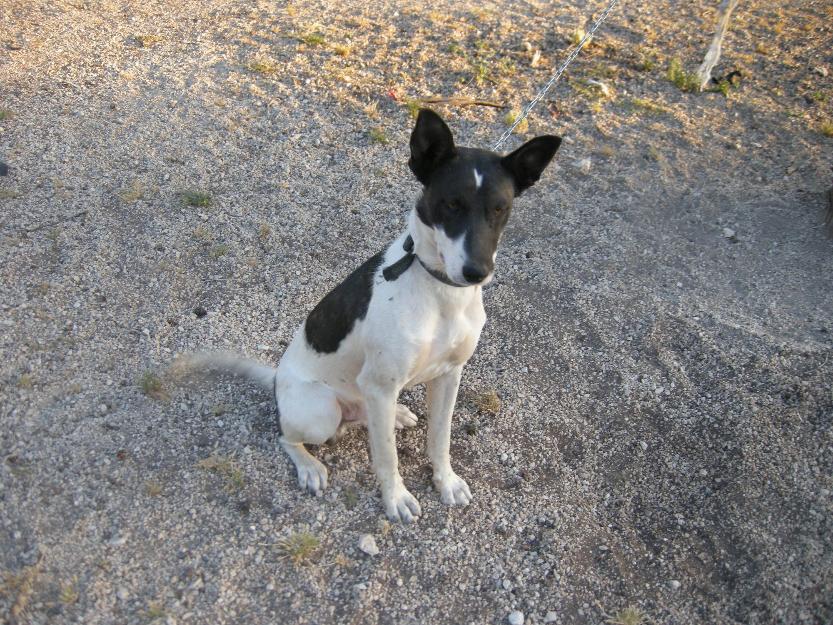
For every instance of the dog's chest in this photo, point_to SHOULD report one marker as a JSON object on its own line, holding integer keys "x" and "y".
{"x": 448, "y": 342}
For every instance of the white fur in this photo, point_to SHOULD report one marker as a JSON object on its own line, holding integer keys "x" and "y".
{"x": 417, "y": 330}
{"x": 452, "y": 253}
{"x": 478, "y": 179}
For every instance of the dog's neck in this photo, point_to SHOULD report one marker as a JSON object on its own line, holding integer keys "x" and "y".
{"x": 425, "y": 242}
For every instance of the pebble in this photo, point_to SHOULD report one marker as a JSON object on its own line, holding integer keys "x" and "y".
{"x": 122, "y": 594}
{"x": 644, "y": 445}
{"x": 550, "y": 617}
{"x": 584, "y": 165}
{"x": 728, "y": 233}
{"x": 368, "y": 545}
{"x": 516, "y": 617}
{"x": 674, "y": 584}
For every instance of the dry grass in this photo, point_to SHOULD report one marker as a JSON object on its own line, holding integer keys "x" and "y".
{"x": 153, "y": 386}
{"x": 263, "y": 66}
{"x": 69, "y": 594}
{"x": 299, "y": 547}
{"x": 646, "y": 105}
{"x": 20, "y": 586}
{"x": 132, "y": 193}
{"x": 26, "y": 381}
{"x": 146, "y": 41}
{"x": 629, "y": 616}
{"x": 227, "y": 468}
{"x": 377, "y": 135}
{"x": 487, "y": 401}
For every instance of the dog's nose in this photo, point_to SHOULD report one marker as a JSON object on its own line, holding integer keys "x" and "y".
{"x": 474, "y": 274}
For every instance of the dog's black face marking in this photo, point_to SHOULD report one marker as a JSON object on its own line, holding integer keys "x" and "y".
{"x": 469, "y": 192}
{"x": 335, "y": 315}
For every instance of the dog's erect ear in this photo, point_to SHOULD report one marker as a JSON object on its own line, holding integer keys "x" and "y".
{"x": 528, "y": 161}
{"x": 431, "y": 145}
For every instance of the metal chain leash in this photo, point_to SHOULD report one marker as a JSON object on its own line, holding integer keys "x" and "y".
{"x": 557, "y": 75}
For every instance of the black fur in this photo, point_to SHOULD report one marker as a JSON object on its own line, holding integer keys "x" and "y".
{"x": 450, "y": 198}
{"x": 335, "y": 315}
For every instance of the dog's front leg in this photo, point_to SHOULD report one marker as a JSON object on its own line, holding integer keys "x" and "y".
{"x": 380, "y": 398}
{"x": 442, "y": 394}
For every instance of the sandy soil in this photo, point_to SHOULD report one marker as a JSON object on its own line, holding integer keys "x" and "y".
{"x": 659, "y": 334}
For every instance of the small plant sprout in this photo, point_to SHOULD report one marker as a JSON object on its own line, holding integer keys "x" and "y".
{"x": 377, "y": 135}
{"x": 219, "y": 250}
{"x": 198, "y": 199}
{"x": 683, "y": 80}
{"x": 510, "y": 118}
{"x": 628, "y": 616}
{"x": 299, "y": 547}
{"x": 152, "y": 386}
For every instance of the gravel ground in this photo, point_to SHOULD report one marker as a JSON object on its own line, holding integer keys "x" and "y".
{"x": 647, "y": 425}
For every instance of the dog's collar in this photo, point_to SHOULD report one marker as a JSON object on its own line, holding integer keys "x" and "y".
{"x": 392, "y": 272}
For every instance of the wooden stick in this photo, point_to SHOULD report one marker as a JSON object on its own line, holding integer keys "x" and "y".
{"x": 461, "y": 102}
{"x": 704, "y": 73}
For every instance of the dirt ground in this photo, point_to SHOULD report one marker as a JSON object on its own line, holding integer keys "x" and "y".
{"x": 647, "y": 425}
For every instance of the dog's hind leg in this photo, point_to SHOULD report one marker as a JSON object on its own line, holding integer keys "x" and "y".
{"x": 310, "y": 413}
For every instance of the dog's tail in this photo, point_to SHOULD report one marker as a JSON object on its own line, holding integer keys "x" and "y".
{"x": 214, "y": 363}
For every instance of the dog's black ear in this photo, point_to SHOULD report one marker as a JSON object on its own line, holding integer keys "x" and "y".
{"x": 528, "y": 161}
{"x": 431, "y": 145}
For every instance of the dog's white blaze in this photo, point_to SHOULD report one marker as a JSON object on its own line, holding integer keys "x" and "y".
{"x": 478, "y": 179}
{"x": 453, "y": 254}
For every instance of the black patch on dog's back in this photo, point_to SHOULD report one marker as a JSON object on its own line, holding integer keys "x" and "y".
{"x": 335, "y": 315}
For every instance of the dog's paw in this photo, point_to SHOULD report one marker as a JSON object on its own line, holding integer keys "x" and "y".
{"x": 312, "y": 475}
{"x": 404, "y": 417}
{"x": 453, "y": 489}
{"x": 400, "y": 505}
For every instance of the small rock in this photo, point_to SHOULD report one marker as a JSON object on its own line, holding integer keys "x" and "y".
{"x": 728, "y": 233}
{"x": 821, "y": 70}
{"x": 516, "y": 617}
{"x": 583, "y": 165}
{"x": 674, "y": 584}
{"x": 200, "y": 312}
{"x": 368, "y": 545}
{"x": 122, "y": 594}
{"x": 4, "y": 169}
{"x": 550, "y": 617}
{"x": 644, "y": 445}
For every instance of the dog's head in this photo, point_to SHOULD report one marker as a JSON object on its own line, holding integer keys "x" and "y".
{"x": 468, "y": 193}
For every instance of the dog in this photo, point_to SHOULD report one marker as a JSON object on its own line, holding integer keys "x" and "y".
{"x": 412, "y": 314}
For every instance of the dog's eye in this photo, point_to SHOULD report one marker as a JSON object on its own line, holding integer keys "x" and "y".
{"x": 454, "y": 207}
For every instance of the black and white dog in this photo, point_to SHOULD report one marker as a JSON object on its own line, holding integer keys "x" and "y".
{"x": 412, "y": 314}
